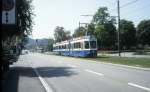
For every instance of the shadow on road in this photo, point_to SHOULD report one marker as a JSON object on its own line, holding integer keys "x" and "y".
{"x": 12, "y": 81}
{"x": 56, "y": 71}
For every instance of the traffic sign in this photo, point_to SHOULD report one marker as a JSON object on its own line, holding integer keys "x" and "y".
{"x": 9, "y": 12}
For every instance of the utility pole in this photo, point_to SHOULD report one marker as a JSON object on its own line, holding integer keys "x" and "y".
{"x": 118, "y": 8}
{"x": 86, "y": 24}
{"x": 36, "y": 45}
{"x": 79, "y": 25}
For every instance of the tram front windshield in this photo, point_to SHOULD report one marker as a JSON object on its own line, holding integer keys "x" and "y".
{"x": 86, "y": 44}
{"x": 92, "y": 44}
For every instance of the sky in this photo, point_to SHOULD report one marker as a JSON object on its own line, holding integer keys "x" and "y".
{"x": 67, "y": 13}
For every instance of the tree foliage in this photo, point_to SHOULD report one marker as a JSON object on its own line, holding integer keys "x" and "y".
{"x": 143, "y": 34}
{"x": 50, "y": 44}
{"x": 106, "y": 35}
{"x": 79, "y": 32}
{"x": 102, "y": 16}
{"x": 127, "y": 33}
{"x": 103, "y": 28}
{"x": 90, "y": 29}
{"x": 24, "y": 22}
{"x": 24, "y": 16}
{"x": 105, "y": 31}
{"x": 61, "y": 34}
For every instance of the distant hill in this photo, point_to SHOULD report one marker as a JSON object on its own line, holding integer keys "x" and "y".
{"x": 40, "y": 42}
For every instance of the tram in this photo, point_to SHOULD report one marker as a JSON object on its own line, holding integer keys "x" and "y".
{"x": 85, "y": 46}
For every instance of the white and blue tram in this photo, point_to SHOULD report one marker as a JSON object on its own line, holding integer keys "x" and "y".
{"x": 85, "y": 46}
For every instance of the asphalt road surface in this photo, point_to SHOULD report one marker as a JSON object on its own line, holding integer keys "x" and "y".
{"x": 36, "y": 72}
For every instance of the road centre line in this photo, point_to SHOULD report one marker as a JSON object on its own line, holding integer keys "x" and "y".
{"x": 44, "y": 83}
{"x": 138, "y": 86}
{"x": 100, "y": 74}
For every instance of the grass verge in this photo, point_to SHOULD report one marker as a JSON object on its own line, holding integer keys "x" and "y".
{"x": 131, "y": 61}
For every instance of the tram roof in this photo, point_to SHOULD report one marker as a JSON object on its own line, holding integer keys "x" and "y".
{"x": 75, "y": 39}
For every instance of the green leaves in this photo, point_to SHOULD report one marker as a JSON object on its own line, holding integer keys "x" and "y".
{"x": 24, "y": 16}
{"x": 143, "y": 33}
{"x": 61, "y": 34}
{"x": 50, "y": 44}
{"x": 105, "y": 31}
{"x": 127, "y": 33}
{"x": 79, "y": 32}
{"x": 100, "y": 16}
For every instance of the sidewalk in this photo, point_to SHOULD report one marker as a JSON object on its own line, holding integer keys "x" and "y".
{"x": 126, "y": 54}
{"x": 21, "y": 78}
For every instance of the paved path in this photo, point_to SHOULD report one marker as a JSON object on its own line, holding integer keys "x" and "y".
{"x": 126, "y": 54}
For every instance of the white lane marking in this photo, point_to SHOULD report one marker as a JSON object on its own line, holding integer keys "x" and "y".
{"x": 44, "y": 83}
{"x": 100, "y": 74}
{"x": 59, "y": 61}
{"x": 71, "y": 65}
{"x": 138, "y": 86}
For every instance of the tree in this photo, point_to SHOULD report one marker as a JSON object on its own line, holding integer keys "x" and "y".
{"x": 50, "y": 44}
{"x": 90, "y": 29}
{"x": 13, "y": 36}
{"x": 143, "y": 34}
{"x": 127, "y": 34}
{"x": 61, "y": 34}
{"x": 102, "y": 16}
{"x": 106, "y": 35}
{"x": 100, "y": 34}
{"x": 25, "y": 16}
{"x": 24, "y": 19}
{"x": 24, "y": 24}
{"x": 16, "y": 34}
{"x": 79, "y": 32}
{"x": 105, "y": 31}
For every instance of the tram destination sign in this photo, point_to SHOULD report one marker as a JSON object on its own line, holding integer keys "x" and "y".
{"x": 9, "y": 12}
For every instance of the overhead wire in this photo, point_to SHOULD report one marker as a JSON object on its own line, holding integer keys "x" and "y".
{"x": 129, "y": 3}
{"x": 135, "y": 10}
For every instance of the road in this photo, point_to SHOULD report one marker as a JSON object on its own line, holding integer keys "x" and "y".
{"x": 36, "y": 72}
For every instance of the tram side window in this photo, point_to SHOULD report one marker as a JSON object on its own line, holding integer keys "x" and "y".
{"x": 81, "y": 43}
{"x": 59, "y": 47}
{"x": 69, "y": 47}
{"x": 86, "y": 44}
{"x": 77, "y": 45}
{"x": 93, "y": 44}
{"x": 64, "y": 46}
{"x": 72, "y": 45}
